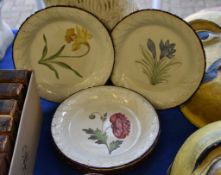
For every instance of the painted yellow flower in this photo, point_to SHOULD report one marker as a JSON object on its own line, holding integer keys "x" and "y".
{"x": 70, "y": 35}
{"x": 83, "y": 36}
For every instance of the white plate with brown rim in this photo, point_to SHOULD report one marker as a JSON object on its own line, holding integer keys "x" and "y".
{"x": 105, "y": 128}
{"x": 159, "y": 56}
{"x": 69, "y": 49}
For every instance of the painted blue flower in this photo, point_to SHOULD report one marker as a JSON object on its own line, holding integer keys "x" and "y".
{"x": 203, "y": 35}
{"x": 212, "y": 71}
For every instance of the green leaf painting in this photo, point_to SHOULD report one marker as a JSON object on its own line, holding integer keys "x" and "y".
{"x": 120, "y": 126}
{"x": 155, "y": 67}
{"x": 151, "y": 46}
{"x": 78, "y": 37}
{"x": 115, "y": 144}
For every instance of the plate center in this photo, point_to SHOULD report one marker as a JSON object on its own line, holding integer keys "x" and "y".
{"x": 104, "y": 129}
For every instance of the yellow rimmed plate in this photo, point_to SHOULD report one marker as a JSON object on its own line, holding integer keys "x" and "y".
{"x": 204, "y": 106}
{"x": 200, "y": 153}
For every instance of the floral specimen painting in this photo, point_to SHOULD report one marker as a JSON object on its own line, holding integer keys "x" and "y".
{"x": 156, "y": 66}
{"x": 79, "y": 38}
{"x": 120, "y": 126}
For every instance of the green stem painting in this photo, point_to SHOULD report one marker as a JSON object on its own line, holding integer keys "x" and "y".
{"x": 50, "y": 61}
{"x": 120, "y": 127}
{"x": 156, "y": 67}
{"x": 78, "y": 37}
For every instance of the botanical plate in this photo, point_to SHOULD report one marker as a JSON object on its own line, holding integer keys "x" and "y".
{"x": 204, "y": 106}
{"x": 201, "y": 153}
{"x": 105, "y": 128}
{"x": 68, "y": 48}
{"x": 159, "y": 56}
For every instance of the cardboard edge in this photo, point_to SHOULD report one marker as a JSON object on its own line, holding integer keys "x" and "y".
{"x": 26, "y": 144}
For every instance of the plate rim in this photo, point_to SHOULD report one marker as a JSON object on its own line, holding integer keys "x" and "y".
{"x": 188, "y": 25}
{"x": 70, "y": 7}
{"x": 191, "y": 141}
{"x": 93, "y": 169}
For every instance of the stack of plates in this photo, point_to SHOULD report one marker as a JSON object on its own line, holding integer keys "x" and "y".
{"x": 105, "y": 128}
{"x": 155, "y": 61}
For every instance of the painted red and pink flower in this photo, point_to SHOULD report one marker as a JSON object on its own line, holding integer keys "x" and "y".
{"x": 119, "y": 124}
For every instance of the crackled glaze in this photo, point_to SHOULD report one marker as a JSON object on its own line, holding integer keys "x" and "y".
{"x": 105, "y": 127}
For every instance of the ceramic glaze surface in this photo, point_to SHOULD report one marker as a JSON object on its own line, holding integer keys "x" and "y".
{"x": 201, "y": 153}
{"x": 204, "y": 106}
{"x": 109, "y": 11}
{"x": 69, "y": 49}
{"x": 159, "y": 56}
{"x": 105, "y": 127}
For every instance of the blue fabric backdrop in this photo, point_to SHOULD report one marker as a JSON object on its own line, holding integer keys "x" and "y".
{"x": 174, "y": 130}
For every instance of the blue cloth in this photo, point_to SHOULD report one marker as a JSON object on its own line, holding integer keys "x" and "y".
{"x": 174, "y": 130}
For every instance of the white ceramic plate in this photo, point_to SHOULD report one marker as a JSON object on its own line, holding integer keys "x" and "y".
{"x": 68, "y": 48}
{"x": 105, "y": 127}
{"x": 159, "y": 56}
